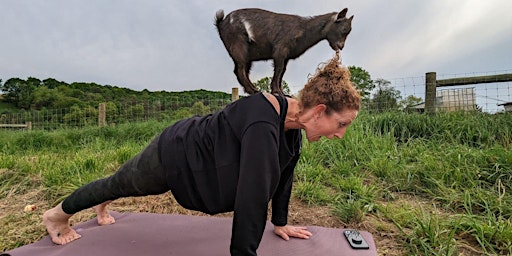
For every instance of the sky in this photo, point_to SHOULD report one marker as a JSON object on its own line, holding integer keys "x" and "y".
{"x": 173, "y": 45}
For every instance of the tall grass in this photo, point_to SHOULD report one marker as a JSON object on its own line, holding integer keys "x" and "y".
{"x": 66, "y": 159}
{"x": 442, "y": 181}
{"x": 455, "y": 168}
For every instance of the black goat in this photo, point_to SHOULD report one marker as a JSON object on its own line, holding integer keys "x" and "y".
{"x": 254, "y": 34}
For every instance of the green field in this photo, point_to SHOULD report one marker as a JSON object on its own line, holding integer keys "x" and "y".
{"x": 421, "y": 184}
{"x": 6, "y": 106}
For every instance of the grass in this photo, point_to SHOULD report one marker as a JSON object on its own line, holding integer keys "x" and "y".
{"x": 455, "y": 170}
{"x": 4, "y": 107}
{"x": 422, "y": 184}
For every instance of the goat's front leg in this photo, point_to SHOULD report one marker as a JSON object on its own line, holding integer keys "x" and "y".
{"x": 242, "y": 75}
{"x": 279, "y": 69}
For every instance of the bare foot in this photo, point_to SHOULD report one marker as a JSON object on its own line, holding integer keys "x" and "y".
{"x": 104, "y": 218}
{"x": 57, "y": 225}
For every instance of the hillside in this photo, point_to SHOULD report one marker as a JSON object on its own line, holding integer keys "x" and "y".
{"x": 35, "y": 94}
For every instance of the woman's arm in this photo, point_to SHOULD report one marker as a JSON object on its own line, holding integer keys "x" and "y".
{"x": 281, "y": 198}
{"x": 258, "y": 179}
{"x": 280, "y": 203}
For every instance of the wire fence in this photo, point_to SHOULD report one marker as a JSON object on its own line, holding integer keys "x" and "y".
{"x": 114, "y": 113}
{"x": 401, "y": 94}
{"x": 491, "y": 96}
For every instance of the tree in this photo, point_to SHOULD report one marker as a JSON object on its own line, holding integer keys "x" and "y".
{"x": 112, "y": 112}
{"x": 200, "y": 109}
{"x": 409, "y": 101}
{"x": 80, "y": 116}
{"x": 11, "y": 89}
{"x": 19, "y": 92}
{"x": 44, "y": 98}
{"x": 386, "y": 98}
{"x": 34, "y": 82}
{"x": 362, "y": 81}
{"x": 51, "y": 83}
{"x": 264, "y": 85}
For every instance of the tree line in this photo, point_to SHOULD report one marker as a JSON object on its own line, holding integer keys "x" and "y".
{"x": 51, "y": 104}
{"x": 34, "y": 94}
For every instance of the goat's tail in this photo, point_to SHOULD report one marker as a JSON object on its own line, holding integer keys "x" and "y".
{"x": 219, "y": 17}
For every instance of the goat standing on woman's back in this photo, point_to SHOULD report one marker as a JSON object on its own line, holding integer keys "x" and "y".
{"x": 254, "y": 34}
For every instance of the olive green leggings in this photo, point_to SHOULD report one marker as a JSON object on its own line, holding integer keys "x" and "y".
{"x": 140, "y": 176}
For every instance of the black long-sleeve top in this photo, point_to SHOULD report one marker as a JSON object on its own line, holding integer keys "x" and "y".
{"x": 237, "y": 159}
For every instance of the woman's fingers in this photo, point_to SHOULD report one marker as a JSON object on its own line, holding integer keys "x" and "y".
{"x": 290, "y": 231}
{"x": 301, "y": 232}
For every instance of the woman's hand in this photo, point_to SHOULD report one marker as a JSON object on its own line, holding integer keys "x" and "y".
{"x": 288, "y": 231}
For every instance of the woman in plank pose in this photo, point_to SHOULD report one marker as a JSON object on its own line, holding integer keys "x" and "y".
{"x": 238, "y": 159}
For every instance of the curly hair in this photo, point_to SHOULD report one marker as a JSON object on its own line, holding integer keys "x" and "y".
{"x": 332, "y": 87}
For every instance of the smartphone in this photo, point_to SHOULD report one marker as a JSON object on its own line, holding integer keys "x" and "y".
{"x": 355, "y": 239}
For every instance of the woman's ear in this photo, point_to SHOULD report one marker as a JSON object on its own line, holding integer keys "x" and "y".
{"x": 319, "y": 109}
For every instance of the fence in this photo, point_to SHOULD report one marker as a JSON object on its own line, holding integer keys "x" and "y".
{"x": 461, "y": 99}
{"x": 110, "y": 113}
{"x": 489, "y": 92}
{"x": 493, "y": 94}
{"x": 27, "y": 126}
{"x": 102, "y": 109}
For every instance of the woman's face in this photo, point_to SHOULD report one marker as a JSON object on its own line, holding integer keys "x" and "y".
{"x": 316, "y": 123}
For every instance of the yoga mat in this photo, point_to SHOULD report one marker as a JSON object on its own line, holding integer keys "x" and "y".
{"x": 167, "y": 234}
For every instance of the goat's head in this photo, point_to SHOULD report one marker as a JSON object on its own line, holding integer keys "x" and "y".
{"x": 339, "y": 29}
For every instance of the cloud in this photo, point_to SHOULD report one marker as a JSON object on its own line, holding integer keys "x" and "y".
{"x": 173, "y": 45}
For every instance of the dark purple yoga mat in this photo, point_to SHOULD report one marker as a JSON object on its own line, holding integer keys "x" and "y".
{"x": 166, "y": 234}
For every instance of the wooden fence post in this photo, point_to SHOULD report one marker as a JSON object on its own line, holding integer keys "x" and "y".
{"x": 234, "y": 93}
{"x": 28, "y": 125}
{"x": 430, "y": 92}
{"x": 101, "y": 115}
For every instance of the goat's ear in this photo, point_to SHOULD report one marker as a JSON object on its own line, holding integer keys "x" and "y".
{"x": 342, "y": 14}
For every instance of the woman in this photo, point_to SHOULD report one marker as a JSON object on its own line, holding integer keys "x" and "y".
{"x": 237, "y": 159}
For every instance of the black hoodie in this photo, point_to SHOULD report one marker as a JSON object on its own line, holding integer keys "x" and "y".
{"x": 237, "y": 159}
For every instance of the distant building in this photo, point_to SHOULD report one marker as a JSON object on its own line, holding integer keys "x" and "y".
{"x": 452, "y": 100}
{"x": 507, "y": 106}
{"x": 456, "y": 99}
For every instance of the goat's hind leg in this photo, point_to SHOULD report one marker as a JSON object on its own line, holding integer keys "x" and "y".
{"x": 239, "y": 52}
{"x": 277, "y": 79}
{"x": 242, "y": 75}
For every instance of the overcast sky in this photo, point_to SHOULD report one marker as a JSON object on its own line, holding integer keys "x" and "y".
{"x": 173, "y": 45}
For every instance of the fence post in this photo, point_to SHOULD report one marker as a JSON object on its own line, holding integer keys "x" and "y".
{"x": 101, "y": 115}
{"x": 234, "y": 93}
{"x": 28, "y": 125}
{"x": 430, "y": 92}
